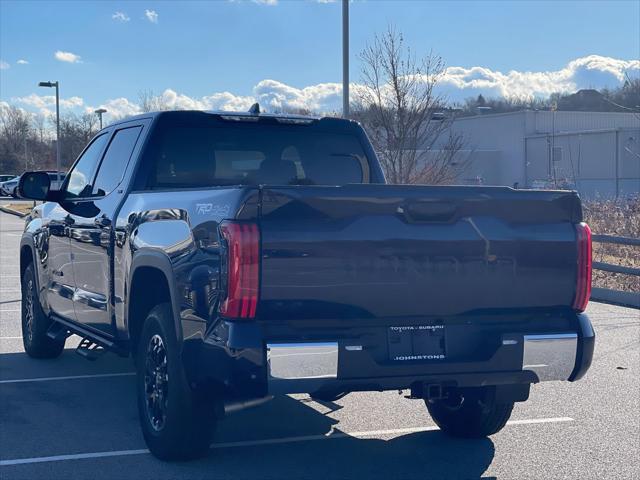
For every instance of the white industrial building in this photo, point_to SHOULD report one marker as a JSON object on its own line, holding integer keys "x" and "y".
{"x": 597, "y": 153}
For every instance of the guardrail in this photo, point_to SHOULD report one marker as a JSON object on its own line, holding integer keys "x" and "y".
{"x": 616, "y": 296}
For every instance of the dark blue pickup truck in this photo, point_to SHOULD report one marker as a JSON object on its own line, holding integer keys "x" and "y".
{"x": 239, "y": 256}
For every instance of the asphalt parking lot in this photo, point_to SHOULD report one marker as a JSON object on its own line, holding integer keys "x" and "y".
{"x": 71, "y": 418}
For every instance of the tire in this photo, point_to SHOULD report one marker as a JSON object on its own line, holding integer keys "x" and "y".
{"x": 35, "y": 323}
{"x": 177, "y": 422}
{"x": 470, "y": 413}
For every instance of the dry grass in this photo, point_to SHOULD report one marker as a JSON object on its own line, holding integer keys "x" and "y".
{"x": 22, "y": 207}
{"x": 622, "y": 218}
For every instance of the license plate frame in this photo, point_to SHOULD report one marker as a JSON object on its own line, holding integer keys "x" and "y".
{"x": 411, "y": 343}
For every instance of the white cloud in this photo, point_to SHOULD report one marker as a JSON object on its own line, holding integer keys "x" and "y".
{"x": 266, "y": 2}
{"x": 458, "y": 83}
{"x": 71, "y": 102}
{"x": 116, "y": 108}
{"x": 322, "y": 97}
{"x": 120, "y": 17}
{"x": 151, "y": 15}
{"x": 67, "y": 57}
{"x": 217, "y": 101}
{"x": 44, "y": 101}
{"x": 22, "y": 61}
{"x": 593, "y": 71}
{"x": 4, "y": 65}
{"x": 228, "y": 101}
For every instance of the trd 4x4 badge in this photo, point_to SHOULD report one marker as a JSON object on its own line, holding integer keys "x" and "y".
{"x": 211, "y": 209}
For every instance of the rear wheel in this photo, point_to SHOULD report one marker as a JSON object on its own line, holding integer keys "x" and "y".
{"x": 35, "y": 323}
{"x": 470, "y": 412}
{"x": 177, "y": 422}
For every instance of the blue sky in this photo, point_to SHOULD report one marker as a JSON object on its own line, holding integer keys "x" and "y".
{"x": 198, "y": 50}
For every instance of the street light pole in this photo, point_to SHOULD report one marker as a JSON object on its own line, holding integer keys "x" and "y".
{"x": 57, "y": 86}
{"x": 58, "y": 167}
{"x": 345, "y": 58}
{"x": 99, "y": 112}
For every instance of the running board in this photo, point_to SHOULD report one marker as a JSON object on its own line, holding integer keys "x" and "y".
{"x": 58, "y": 332}
{"x": 91, "y": 342}
{"x": 90, "y": 350}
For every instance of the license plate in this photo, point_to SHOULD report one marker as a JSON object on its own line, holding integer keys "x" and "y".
{"x": 417, "y": 342}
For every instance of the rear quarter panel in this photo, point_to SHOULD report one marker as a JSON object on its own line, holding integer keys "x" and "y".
{"x": 182, "y": 225}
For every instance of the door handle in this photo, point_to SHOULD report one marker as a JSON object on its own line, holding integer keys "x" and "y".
{"x": 102, "y": 221}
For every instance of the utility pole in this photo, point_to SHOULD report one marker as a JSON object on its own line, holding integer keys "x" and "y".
{"x": 554, "y": 107}
{"x": 345, "y": 58}
{"x": 57, "y": 86}
{"x": 58, "y": 160}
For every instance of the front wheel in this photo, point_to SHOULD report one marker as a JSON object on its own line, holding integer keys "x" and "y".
{"x": 177, "y": 423}
{"x": 470, "y": 412}
{"x": 35, "y": 322}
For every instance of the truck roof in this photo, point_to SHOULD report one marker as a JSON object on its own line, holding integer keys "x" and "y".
{"x": 222, "y": 114}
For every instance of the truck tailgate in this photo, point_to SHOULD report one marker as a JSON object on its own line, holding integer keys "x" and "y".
{"x": 387, "y": 251}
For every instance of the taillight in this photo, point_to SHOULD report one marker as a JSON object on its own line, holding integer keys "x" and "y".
{"x": 243, "y": 269}
{"x": 583, "y": 279}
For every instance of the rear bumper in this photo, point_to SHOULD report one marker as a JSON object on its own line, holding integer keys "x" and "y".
{"x": 250, "y": 359}
{"x": 314, "y": 366}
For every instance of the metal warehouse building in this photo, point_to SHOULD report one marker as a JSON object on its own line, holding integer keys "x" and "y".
{"x": 597, "y": 153}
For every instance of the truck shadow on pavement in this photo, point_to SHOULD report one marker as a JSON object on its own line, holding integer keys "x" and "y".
{"x": 429, "y": 454}
{"x": 269, "y": 436}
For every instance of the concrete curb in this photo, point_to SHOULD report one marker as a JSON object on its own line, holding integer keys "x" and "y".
{"x": 11, "y": 211}
{"x": 616, "y": 297}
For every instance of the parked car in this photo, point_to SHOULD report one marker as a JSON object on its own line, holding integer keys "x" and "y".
{"x": 10, "y": 188}
{"x": 238, "y": 256}
{"x": 56, "y": 180}
{"x": 4, "y": 178}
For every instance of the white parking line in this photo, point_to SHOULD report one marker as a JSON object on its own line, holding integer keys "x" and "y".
{"x": 71, "y": 377}
{"x": 269, "y": 441}
{"x": 80, "y": 456}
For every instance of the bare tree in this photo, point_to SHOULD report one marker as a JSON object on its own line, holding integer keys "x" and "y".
{"x": 15, "y": 129}
{"x": 75, "y": 133}
{"x": 39, "y": 125}
{"x": 150, "y": 102}
{"x": 27, "y": 140}
{"x": 398, "y": 105}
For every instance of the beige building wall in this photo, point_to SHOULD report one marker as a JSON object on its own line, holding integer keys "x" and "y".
{"x": 597, "y": 153}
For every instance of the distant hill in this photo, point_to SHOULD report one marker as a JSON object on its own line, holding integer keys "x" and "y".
{"x": 623, "y": 99}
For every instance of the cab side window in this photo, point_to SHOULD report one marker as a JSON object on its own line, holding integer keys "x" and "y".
{"x": 115, "y": 161}
{"x": 79, "y": 184}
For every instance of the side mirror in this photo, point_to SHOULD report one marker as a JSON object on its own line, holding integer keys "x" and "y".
{"x": 34, "y": 185}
